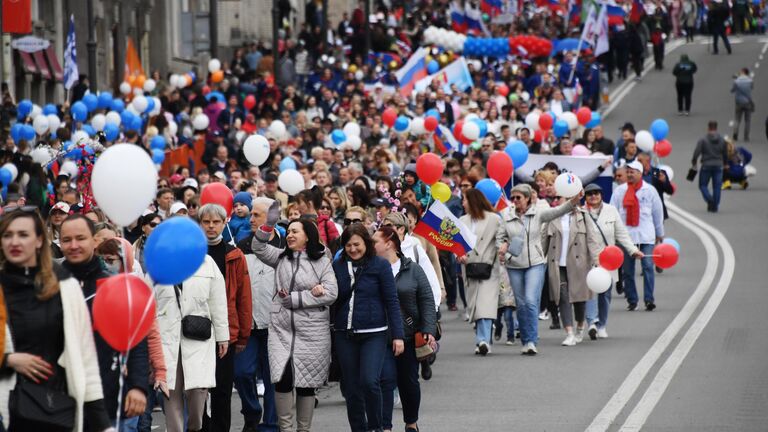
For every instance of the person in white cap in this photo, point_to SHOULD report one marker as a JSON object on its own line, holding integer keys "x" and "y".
{"x": 641, "y": 211}
{"x": 56, "y": 216}
{"x": 178, "y": 209}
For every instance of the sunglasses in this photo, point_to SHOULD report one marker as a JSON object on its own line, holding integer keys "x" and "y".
{"x": 516, "y": 198}
{"x": 592, "y": 193}
{"x": 325, "y": 208}
{"x": 348, "y": 222}
{"x": 25, "y": 209}
{"x": 153, "y": 224}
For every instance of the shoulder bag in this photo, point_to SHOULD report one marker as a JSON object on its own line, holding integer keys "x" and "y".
{"x": 193, "y": 326}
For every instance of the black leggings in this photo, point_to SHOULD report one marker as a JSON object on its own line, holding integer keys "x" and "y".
{"x": 285, "y": 385}
{"x": 684, "y": 92}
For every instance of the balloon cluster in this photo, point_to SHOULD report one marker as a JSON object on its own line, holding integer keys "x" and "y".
{"x": 526, "y": 46}
{"x": 486, "y": 47}
{"x": 665, "y": 255}
{"x": 443, "y": 38}
{"x": 137, "y": 84}
{"x": 530, "y": 46}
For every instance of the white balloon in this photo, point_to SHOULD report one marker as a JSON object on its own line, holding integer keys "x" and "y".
{"x": 532, "y": 121}
{"x": 40, "y": 123}
{"x": 291, "y": 182}
{"x": 138, "y": 92}
{"x": 354, "y": 142}
{"x": 240, "y": 136}
{"x": 571, "y": 119}
{"x": 214, "y": 65}
{"x": 750, "y": 170}
{"x": 599, "y": 280}
{"x": 644, "y": 141}
{"x": 470, "y": 117}
{"x": 124, "y": 182}
{"x": 471, "y": 130}
{"x": 417, "y": 126}
{"x": 125, "y": 88}
{"x": 36, "y": 111}
{"x": 200, "y": 122}
{"x": 132, "y": 109}
{"x": 12, "y": 168}
{"x": 99, "y": 121}
{"x": 172, "y": 80}
{"x": 567, "y": 185}
{"x": 278, "y": 129}
{"x": 140, "y": 103}
{"x": 670, "y": 172}
{"x": 173, "y": 128}
{"x": 79, "y": 137}
{"x": 70, "y": 168}
{"x": 256, "y": 149}
{"x": 53, "y": 122}
{"x": 158, "y": 106}
{"x": 149, "y": 85}
{"x": 351, "y": 129}
{"x": 41, "y": 155}
{"x": 359, "y": 75}
{"x": 113, "y": 117}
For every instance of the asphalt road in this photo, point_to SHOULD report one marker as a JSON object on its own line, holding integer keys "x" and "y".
{"x": 644, "y": 376}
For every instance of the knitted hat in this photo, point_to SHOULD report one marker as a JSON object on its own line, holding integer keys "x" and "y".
{"x": 245, "y": 199}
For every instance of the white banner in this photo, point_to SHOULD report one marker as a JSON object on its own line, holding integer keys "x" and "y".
{"x": 579, "y": 165}
{"x": 455, "y": 73}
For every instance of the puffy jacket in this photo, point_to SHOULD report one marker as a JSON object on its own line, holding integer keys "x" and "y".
{"x": 262, "y": 279}
{"x": 239, "y": 305}
{"x": 513, "y": 226}
{"x": 417, "y": 304}
{"x": 375, "y": 302}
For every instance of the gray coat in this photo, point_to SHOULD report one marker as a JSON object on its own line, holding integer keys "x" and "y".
{"x": 512, "y": 226}
{"x": 742, "y": 89}
{"x": 483, "y": 295}
{"x": 301, "y": 333}
{"x": 417, "y": 304}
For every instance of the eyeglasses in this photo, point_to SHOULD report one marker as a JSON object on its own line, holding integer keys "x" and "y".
{"x": 348, "y": 222}
{"x": 516, "y": 198}
{"x": 25, "y": 209}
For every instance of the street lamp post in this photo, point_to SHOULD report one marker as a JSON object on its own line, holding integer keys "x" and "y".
{"x": 91, "y": 45}
{"x": 213, "y": 28}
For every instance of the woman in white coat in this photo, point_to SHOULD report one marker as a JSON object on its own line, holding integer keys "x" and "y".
{"x": 481, "y": 269}
{"x": 605, "y": 219}
{"x": 191, "y": 363}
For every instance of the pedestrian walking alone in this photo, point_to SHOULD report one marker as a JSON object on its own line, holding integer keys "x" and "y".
{"x": 683, "y": 72}
{"x": 719, "y": 12}
{"x": 690, "y": 15}
{"x": 745, "y": 106}
{"x": 713, "y": 153}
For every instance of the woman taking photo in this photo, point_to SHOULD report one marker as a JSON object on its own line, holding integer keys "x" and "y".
{"x": 48, "y": 324}
{"x": 417, "y": 307}
{"x": 299, "y": 338}
{"x": 519, "y": 241}
{"x": 481, "y": 274}
{"x": 366, "y": 316}
{"x": 572, "y": 250}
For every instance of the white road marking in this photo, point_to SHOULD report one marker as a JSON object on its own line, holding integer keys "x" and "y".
{"x": 757, "y": 65}
{"x": 765, "y": 48}
{"x": 655, "y": 391}
{"x": 635, "y": 378}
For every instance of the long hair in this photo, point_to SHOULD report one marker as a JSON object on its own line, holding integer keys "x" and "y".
{"x": 46, "y": 282}
{"x": 360, "y": 196}
{"x": 389, "y": 234}
{"x": 357, "y": 229}
{"x": 342, "y": 197}
{"x": 315, "y": 249}
{"x": 477, "y": 204}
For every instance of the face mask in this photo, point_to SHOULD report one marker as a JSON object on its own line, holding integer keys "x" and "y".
{"x": 113, "y": 267}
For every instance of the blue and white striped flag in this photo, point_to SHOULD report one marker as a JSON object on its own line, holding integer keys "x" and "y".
{"x": 71, "y": 72}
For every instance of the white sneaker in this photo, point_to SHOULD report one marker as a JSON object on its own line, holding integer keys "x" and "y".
{"x": 544, "y": 316}
{"x": 570, "y": 340}
{"x": 602, "y": 334}
{"x": 593, "y": 332}
{"x": 579, "y": 335}
{"x": 529, "y": 349}
{"x": 483, "y": 348}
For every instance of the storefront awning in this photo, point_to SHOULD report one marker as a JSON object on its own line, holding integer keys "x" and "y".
{"x": 28, "y": 63}
{"x": 41, "y": 64}
{"x": 58, "y": 72}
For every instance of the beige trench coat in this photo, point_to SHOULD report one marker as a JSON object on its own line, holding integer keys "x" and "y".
{"x": 483, "y": 295}
{"x": 584, "y": 246}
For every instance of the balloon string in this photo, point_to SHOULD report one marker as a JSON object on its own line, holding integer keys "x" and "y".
{"x": 123, "y": 361}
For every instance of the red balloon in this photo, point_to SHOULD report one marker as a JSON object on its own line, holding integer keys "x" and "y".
{"x": 503, "y": 89}
{"x": 429, "y": 168}
{"x": 665, "y": 255}
{"x": 584, "y": 115}
{"x": 663, "y": 148}
{"x": 217, "y": 193}
{"x": 389, "y": 116}
{"x": 500, "y": 167}
{"x": 430, "y": 123}
{"x": 674, "y": 187}
{"x": 206, "y": 90}
{"x": 249, "y": 102}
{"x": 538, "y": 136}
{"x": 546, "y": 121}
{"x": 611, "y": 258}
{"x": 457, "y": 129}
{"x": 123, "y": 310}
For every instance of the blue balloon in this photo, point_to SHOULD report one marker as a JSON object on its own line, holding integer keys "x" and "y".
{"x": 482, "y": 125}
{"x": 673, "y": 242}
{"x": 338, "y": 136}
{"x": 5, "y": 176}
{"x": 518, "y": 152}
{"x": 49, "y": 109}
{"x": 75, "y": 154}
{"x": 24, "y": 108}
{"x": 136, "y": 123}
{"x": 118, "y": 105}
{"x": 67, "y": 145}
{"x": 111, "y": 131}
{"x": 89, "y": 151}
{"x": 659, "y": 129}
{"x": 433, "y": 66}
{"x": 105, "y": 100}
{"x": 50, "y": 188}
{"x": 433, "y": 113}
{"x": 174, "y": 251}
{"x": 91, "y": 102}
{"x": 89, "y": 130}
{"x": 287, "y": 164}
{"x": 595, "y": 121}
{"x": 79, "y": 111}
{"x": 158, "y": 156}
{"x": 126, "y": 117}
{"x": 150, "y": 105}
{"x": 560, "y": 128}
{"x": 219, "y": 96}
{"x": 491, "y": 189}
{"x": 16, "y": 131}
{"x": 157, "y": 142}
{"x": 28, "y": 132}
{"x": 401, "y": 124}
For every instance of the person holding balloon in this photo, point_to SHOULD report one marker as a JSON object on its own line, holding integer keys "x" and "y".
{"x": 50, "y": 325}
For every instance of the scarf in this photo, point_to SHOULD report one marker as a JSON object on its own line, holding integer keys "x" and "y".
{"x": 632, "y": 205}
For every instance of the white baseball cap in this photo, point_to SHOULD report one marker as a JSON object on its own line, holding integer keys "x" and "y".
{"x": 60, "y": 206}
{"x": 635, "y": 165}
{"x": 177, "y": 207}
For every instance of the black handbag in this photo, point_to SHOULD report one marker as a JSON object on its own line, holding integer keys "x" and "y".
{"x": 479, "y": 271}
{"x": 691, "y": 174}
{"x": 42, "y": 405}
{"x": 192, "y": 326}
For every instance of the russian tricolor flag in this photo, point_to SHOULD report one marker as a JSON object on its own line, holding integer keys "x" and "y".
{"x": 444, "y": 230}
{"x": 444, "y": 140}
{"x": 616, "y": 15}
{"x": 413, "y": 71}
{"x": 458, "y": 20}
{"x": 637, "y": 12}
{"x": 491, "y": 7}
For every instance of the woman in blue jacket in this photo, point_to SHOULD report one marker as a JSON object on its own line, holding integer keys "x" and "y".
{"x": 367, "y": 313}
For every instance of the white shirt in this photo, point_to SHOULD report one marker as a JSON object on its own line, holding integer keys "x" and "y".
{"x": 411, "y": 248}
{"x": 651, "y": 213}
{"x": 396, "y": 268}
{"x": 565, "y": 223}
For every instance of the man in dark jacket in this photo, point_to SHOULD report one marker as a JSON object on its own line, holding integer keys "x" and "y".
{"x": 713, "y": 153}
{"x": 719, "y": 12}
{"x": 79, "y": 246}
{"x": 683, "y": 73}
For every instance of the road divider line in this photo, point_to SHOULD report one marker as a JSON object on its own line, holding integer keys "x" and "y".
{"x": 634, "y": 379}
{"x": 659, "y": 385}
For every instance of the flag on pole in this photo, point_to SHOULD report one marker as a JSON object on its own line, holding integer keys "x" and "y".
{"x": 132, "y": 62}
{"x": 590, "y": 27}
{"x": 444, "y": 140}
{"x": 444, "y": 230}
{"x": 71, "y": 73}
{"x": 602, "y": 45}
{"x": 413, "y": 70}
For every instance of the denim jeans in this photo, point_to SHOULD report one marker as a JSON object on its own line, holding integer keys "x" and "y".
{"x": 598, "y": 307}
{"x": 401, "y": 372}
{"x": 630, "y": 288}
{"x": 362, "y": 358}
{"x": 128, "y": 425}
{"x": 506, "y": 316}
{"x": 251, "y": 364}
{"x": 526, "y": 284}
{"x": 483, "y": 328}
{"x": 715, "y": 174}
{"x": 154, "y": 398}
